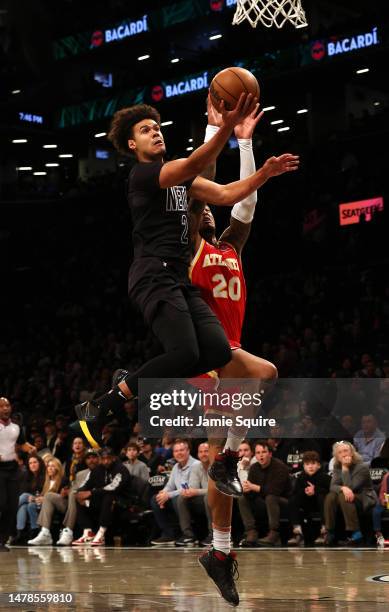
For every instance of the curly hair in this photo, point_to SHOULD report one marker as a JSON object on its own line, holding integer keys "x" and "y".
{"x": 123, "y": 122}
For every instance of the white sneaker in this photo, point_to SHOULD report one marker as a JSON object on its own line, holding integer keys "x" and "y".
{"x": 42, "y": 539}
{"x": 65, "y": 537}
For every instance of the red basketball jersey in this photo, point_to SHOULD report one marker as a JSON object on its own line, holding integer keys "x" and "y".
{"x": 217, "y": 271}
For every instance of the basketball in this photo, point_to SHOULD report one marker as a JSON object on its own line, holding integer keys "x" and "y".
{"x": 229, "y": 84}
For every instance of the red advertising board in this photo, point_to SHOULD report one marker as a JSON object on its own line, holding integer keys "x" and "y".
{"x": 350, "y": 213}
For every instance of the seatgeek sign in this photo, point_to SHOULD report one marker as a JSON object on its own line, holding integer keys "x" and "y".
{"x": 340, "y": 46}
{"x": 351, "y": 213}
{"x": 179, "y": 88}
{"x": 120, "y": 32}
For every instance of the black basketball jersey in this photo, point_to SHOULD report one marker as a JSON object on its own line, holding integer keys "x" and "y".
{"x": 160, "y": 216}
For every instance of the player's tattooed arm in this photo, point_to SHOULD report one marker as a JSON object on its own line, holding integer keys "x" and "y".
{"x": 236, "y": 234}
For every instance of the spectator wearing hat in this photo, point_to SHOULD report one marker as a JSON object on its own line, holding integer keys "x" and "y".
{"x": 65, "y": 503}
{"x": 134, "y": 466}
{"x": 105, "y": 484}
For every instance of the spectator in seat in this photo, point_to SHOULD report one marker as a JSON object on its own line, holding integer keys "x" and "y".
{"x": 165, "y": 448}
{"x": 31, "y": 486}
{"x": 50, "y": 433}
{"x": 64, "y": 502}
{"x": 134, "y": 466}
{"x": 351, "y": 488}
{"x": 311, "y": 488}
{"x": 96, "y": 496}
{"x": 164, "y": 504}
{"x": 266, "y": 489}
{"x": 246, "y": 458}
{"x": 39, "y": 443}
{"x": 76, "y": 462}
{"x": 193, "y": 500}
{"x": 62, "y": 444}
{"x": 154, "y": 462}
{"x": 379, "y": 508}
{"x": 369, "y": 439}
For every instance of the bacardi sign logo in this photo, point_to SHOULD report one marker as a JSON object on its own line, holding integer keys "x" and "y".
{"x": 123, "y": 30}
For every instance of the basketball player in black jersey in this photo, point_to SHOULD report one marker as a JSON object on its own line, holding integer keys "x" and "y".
{"x": 191, "y": 336}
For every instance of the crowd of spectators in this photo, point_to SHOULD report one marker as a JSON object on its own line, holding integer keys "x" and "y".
{"x": 318, "y": 307}
{"x": 155, "y": 493}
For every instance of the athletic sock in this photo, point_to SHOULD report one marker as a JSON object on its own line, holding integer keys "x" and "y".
{"x": 222, "y": 540}
{"x": 45, "y": 531}
{"x": 233, "y": 441}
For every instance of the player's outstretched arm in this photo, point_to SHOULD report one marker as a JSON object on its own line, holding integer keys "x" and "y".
{"x": 228, "y": 195}
{"x": 181, "y": 170}
{"x": 242, "y": 213}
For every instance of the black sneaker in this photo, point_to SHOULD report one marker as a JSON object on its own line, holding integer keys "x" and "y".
{"x": 207, "y": 541}
{"x": 223, "y": 570}
{"x": 118, "y": 376}
{"x": 185, "y": 541}
{"x": 163, "y": 541}
{"x": 225, "y": 474}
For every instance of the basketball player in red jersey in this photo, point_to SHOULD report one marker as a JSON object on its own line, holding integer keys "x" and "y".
{"x": 216, "y": 270}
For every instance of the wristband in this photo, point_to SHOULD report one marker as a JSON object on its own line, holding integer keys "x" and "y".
{"x": 210, "y": 131}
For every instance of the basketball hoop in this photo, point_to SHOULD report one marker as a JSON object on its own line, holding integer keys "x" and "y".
{"x": 270, "y": 12}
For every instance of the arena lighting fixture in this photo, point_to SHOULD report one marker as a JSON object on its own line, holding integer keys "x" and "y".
{"x": 143, "y": 57}
{"x": 66, "y": 155}
{"x": 16, "y": 91}
{"x": 39, "y": 173}
{"x": 362, "y": 70}
{"x": 302, "y": 111}
{"x": 51, "y": 165}
{"x": 19, "y": 140}
{"x": 283, "y": 129}
{"x": 165, "y": 123}
{"x": 100, "y": 134}
{"x": 175, "y": 60}
{"x": 189, "y": 148}
{"x": 190, "y": 139}
{"x": 215, "y": 36}
{"x": 24, "y": 168}
{"x": 277, "y": 122}
{"x": 50, "y": 146}
{"x": 377, "y": 103}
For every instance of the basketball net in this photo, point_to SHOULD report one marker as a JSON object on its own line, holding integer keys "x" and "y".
{"x": 270, "y": 12}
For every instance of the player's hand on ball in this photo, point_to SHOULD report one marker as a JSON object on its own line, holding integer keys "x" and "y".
{"x": 275, "y": 166}
{"x": 246, "y": 105}
{"x": 214, "y": 117}
{"x": 245, "y": 129}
